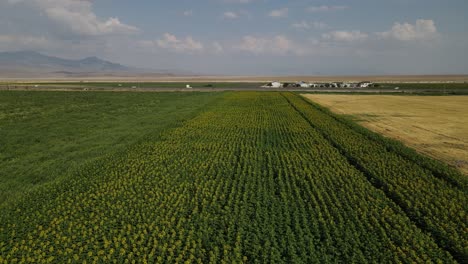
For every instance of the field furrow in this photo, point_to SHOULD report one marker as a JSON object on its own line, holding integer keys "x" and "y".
{"x": 434, "y": 204}
{"x": 248, "y": 180}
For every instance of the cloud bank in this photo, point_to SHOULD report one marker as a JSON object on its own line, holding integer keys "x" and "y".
{"x": 171, "y": 43}
{"x": 279, "y": 13}
{"x": 78, "y": 17}
{"x": 422, "y": 30}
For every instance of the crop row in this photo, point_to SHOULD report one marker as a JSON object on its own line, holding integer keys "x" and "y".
{"x": 434, "y": 203}
{"x": 248, "y": 180}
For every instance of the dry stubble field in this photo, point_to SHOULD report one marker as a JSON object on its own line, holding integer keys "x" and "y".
{"x": 434, "y": 125}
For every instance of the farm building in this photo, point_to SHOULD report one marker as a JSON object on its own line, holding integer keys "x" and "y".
{"x": 302, "y": 84}
{"x": 273, "y": 85}
{"x": 364, "y": 84}
{"x": 349, "y": 85}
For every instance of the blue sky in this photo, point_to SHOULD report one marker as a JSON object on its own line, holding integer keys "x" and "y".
{"x": 248, "y": 37}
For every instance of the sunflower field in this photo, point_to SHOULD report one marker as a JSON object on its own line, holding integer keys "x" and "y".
{"x": 254, "y": 177}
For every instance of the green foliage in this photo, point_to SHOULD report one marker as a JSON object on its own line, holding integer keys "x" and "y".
{"x": 252, "y": 178}
{"x": 45, "y": 136}
{"x": 426, "y": 86}
{"x": 139, "y": 85}
{"x": 432, "y": 195}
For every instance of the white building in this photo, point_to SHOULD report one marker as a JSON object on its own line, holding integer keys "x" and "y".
{"x": 364, "y": 84}
{"x": 302, "y": 84}
{"x": 276, "y": 85}
{"x": 273, "y": 85}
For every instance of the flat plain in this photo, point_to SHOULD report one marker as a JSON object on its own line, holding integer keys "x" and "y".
{"x": 225, "y": 177}
{"x": 45, "y": 136}
{"x": 462, "y": 78}
{"x": 434, "y": 125}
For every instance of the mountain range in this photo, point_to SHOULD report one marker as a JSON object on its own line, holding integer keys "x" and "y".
{"x": 35, "y": 64}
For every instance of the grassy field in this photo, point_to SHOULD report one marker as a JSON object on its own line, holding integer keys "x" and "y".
{"x": 428, "y": 86}
{"x": 241, "y": 79}
{"x": 406, "y": 88}
{"x": 434, "y": 125}
{"x": 233, "y": 177}
{"x": 138, "y": 85}
{"x": 46, "y": 136}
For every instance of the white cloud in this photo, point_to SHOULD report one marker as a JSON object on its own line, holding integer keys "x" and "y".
{"x": 345, "y": 36}
{"x": 217, "y": 48}
{"x": 230, "y": 15}
{"x": 279, "y": 13}
{"x": 24, "y": 42}
{"x": 78, "y": 17}
{"x": 238, "y": 1}
{"x": 325, "y": 8}
{"x": 301, "y": 25}
{"x": 422, "y": 30}
{"x": 172, "y": 43}
{"x": 306, "y": 25}
{"x": 188, "y": 13}
{"x": 277, "y": 45}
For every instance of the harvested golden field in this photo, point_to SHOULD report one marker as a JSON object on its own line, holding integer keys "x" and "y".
{"x": 434, "y": 125}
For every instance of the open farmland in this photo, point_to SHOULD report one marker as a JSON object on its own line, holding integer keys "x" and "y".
{"x": 247, "y": 177}
{"x": 45, "y": 136}
{"x": 434, "y": 125}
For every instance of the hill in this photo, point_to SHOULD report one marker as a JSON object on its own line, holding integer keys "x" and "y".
{"x": 34, "y": 64}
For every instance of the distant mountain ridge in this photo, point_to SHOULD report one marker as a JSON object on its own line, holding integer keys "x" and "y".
{"x": 31, "y": 63}
{"x": 31, "y": 60}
